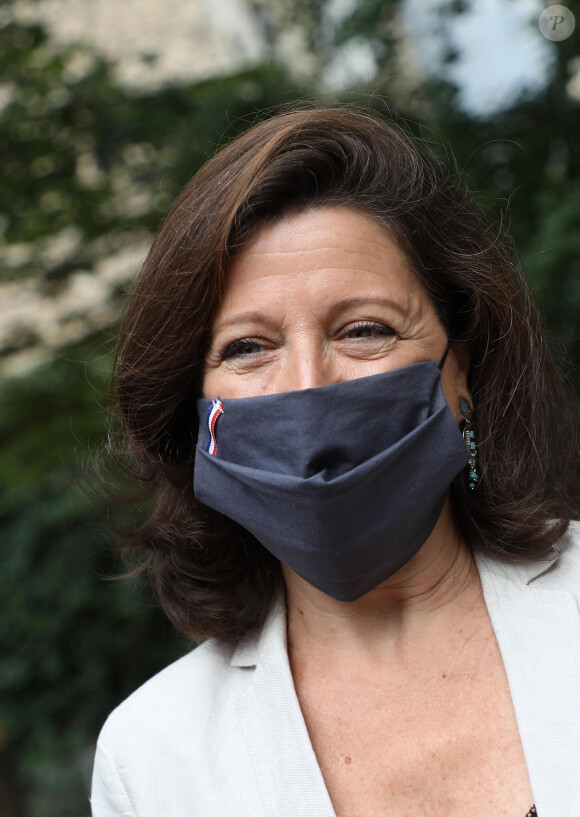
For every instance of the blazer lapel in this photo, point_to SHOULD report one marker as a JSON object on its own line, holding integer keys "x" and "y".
{"x": 538, "y": 632}
{"x": 286, "y": 769}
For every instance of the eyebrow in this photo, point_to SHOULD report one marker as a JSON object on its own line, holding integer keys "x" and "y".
{"x": 348, "y": 303}
{"x": 336, "y": 309}
{"x": 243, "y": 317}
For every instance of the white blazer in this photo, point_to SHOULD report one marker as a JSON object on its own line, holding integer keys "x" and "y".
{"x": 220, "y": 731}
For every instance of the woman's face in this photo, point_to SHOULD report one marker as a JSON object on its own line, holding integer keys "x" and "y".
{"x": 322, "y": 297}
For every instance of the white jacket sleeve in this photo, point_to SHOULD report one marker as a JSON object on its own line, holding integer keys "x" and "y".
{"x": 109, "y": 797}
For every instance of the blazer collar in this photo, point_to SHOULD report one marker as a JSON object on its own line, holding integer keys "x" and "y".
{"x": 249, "y": 651}
{"x": 537, "y": 627}
{"x": 286, "y": 768}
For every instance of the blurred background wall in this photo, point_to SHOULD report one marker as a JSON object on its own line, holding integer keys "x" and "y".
{"x": 106, "y": 109}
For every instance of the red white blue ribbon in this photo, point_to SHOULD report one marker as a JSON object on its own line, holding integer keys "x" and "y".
{"x": 215, "y": 410}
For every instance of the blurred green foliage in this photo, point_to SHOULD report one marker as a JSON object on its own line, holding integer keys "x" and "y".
{"x": 522, "y": 164}
{"x": 81, "y": 153}
{"x": 71, "y": 645}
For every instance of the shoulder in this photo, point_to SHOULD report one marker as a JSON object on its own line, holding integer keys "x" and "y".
{"x": 196, "y": 693}
{"x": 559, "y": 572}
{"x": 162, "y": 748}
{"x": 564, "y": 572}
{"x": 178, "y": 696}
{"x": 156, "y": 749}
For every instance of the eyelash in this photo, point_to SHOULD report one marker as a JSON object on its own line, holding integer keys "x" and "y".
{"x": 237, "y": 345}
{"x": 383, "y": 328}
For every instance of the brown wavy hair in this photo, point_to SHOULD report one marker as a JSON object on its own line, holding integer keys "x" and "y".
{"x": 212, "y": 577}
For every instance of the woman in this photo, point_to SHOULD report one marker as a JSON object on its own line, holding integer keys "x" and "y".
{"x": 364, "y": 469}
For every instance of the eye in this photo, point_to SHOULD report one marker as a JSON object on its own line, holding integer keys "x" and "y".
{"x": 241, "y": 347}
{"x": 369, "y": 329}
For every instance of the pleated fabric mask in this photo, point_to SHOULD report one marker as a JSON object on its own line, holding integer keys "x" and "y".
{"x": 342, "y": 483}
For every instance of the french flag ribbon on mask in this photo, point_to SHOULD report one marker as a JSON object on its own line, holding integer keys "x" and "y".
{"x": 215, "y": 411}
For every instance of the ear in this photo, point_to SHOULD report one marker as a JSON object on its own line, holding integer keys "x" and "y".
{"x": 462, "y": 358}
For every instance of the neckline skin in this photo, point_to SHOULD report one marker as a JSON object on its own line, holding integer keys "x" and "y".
{"x": 322, "y": 297}
{"x": 435, "y": 592}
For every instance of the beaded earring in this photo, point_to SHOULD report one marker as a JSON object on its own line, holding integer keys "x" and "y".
{"x": 466, "y": 411}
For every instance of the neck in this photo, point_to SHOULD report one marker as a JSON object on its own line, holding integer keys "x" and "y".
{"x": 410, "y": 606}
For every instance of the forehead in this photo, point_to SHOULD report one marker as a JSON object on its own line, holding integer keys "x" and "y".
{"x": 339, "y": 245}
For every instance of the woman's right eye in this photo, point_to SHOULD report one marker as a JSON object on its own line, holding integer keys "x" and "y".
{"x": 241, "y": 348}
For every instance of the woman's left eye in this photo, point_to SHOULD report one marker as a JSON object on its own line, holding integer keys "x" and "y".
{"x": 366, "y": 329}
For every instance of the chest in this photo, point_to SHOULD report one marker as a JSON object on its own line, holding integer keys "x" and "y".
{"x": 440, "y": 738}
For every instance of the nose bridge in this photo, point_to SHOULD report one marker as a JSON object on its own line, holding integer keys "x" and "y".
{"x": 306, "y": 366}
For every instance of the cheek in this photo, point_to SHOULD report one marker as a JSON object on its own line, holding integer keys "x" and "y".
{"x": 228, "y": 385}
{"x": 210, "y": 384}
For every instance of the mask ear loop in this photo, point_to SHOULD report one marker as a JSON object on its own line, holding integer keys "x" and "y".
{"x": 444, "y": 358}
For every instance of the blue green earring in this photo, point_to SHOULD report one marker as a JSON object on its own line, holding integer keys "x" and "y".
{"x": 466, "y": 411}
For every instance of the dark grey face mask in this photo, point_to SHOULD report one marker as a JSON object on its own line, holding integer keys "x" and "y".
{"x": 342, "y": 483}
